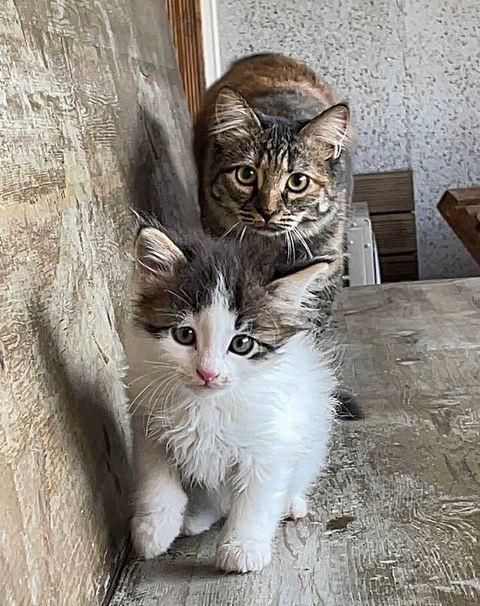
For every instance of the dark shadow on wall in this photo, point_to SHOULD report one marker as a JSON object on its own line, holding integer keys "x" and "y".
{"x": 158, "y": 189}
{"x": 97, "y": 440}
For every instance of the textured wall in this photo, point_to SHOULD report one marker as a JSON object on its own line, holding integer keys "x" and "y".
{"x": 92, "y": 123}
{"x": 410, "y": 69}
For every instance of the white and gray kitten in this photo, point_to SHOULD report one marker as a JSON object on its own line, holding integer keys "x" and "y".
{"x": 231, "y": 398}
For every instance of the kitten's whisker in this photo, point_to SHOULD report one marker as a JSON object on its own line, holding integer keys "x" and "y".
{"x": 131, "y": 404}
{"x": 159, "y": 387}
{"x": 157, "y": 363}
{"x": 152, "y": 372}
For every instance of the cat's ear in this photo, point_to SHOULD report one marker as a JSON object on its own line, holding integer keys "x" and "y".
{"x": 156, "y": 258}
{"x": 331, "y": 129}
{"x": 233, "y": 116}
{"x": 293, "y": 289}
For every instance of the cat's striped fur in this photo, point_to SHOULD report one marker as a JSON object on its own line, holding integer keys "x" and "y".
{"x": 271, "y": 118}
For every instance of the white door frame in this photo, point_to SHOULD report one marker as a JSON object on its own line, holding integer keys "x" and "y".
{"x": 210, "y": 40}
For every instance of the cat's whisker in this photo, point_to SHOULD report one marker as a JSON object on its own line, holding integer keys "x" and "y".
{"x": 225, "y": 234}
{"x": 301, "y": 239}
{"x": 160, "y": 364}
{"x": 141, "y": 377}
{"x": 132, "y": 403}
{"x": 159, "y": 387}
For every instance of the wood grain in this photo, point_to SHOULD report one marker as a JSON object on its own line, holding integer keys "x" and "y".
{"x": 389, "y": 197}
{"x": 461, "y": 210}
{"x": 399, "y": 268}
{"x": 385, "y": 192}
{"x": 185, "y": 21}
{"x": 395, "y": 521}
{"x": 92, "y": 124}
{"x": 395, "y": 233}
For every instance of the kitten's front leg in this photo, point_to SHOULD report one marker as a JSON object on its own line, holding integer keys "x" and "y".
{"x": 245, "y": 541}
{"x": 160, "y": 500}
{"x": 205, "y": 508}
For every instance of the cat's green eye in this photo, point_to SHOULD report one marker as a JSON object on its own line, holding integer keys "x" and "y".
{"x": 246, "y": 175}
{"x": 241, "y": 345}
{"x": 185, "y": 335}
{"x": 298, "y": 182}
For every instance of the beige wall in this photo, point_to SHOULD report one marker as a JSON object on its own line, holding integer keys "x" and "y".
{"x": 92, "y": 122}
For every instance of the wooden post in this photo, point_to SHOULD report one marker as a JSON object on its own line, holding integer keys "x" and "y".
{"x": 186, "y": 26}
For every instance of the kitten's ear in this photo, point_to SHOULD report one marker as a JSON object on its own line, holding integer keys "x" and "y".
{"x": 332, "y": 129}
{"x": 156, "y": 257}
{"x": 233, "y": 116}
{"x": 292, "y": 290}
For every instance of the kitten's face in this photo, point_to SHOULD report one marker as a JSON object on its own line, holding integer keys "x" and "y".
{"x": 210, "y": 323}
{"x": 270, "y": 177}
{"x": 209, "y": 349}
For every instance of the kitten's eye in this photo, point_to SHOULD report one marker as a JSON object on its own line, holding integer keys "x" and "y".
{"x": 298, "y": 182}
{"x": 241, "y": 345}
{"x": 246, "y": 175}
{"x": 184, "y": 335}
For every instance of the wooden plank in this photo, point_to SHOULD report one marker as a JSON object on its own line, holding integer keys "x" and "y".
{"x": 395, "y": 233}
{"x": 185, "y": 20}
{"x": 395, "y": 520}
{"x": 82, "y": 85}
{"x": 385, "y": 192}
{"x": 399, "y": 268}
{"x": 461, "y": 210}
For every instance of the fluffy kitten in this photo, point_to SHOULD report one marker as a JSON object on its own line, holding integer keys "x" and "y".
{"x": 272, "y": 147}
{"x": 232, "y": 401}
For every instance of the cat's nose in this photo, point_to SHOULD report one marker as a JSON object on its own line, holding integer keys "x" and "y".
{"x": 266, "y": 213}
{"x": 208, "y": 376}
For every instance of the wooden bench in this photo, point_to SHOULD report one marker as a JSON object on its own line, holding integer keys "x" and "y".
{"x": 461, "y": 210}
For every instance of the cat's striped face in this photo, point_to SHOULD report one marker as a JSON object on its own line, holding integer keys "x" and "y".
{"x": 273, "y": 187}
{"x": 269, "y": 177}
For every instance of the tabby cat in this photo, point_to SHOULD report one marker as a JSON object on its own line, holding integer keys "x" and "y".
{"x": 272, "y": 146}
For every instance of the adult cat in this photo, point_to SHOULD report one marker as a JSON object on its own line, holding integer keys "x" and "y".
{"x": 272, "y": 147}
{"x": 232, "y": 398}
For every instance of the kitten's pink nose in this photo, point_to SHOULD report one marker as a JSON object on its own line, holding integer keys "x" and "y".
{"x": 207, "y": 375}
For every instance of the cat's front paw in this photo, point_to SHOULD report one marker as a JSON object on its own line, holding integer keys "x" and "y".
{"x": 153, "y": 534}
{"x": 243, "y": 556}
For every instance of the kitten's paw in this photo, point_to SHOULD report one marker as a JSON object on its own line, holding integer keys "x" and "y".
{"x": 296, "y": 508}
{"x": 154, "y": 533}
{"x": 243, "y": 556}
{"x": 196, "y": 524}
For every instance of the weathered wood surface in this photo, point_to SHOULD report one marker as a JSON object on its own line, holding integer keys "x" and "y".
{"x": 395, "y": 521}
{"x": 92, "y": 121}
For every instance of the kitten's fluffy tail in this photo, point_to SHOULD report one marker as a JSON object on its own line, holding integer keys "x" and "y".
{"x": 348, "y": 408}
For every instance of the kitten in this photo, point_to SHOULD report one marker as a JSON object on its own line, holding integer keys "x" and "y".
{"x": 231, "y": 398}
{"x": 272, "y": 147}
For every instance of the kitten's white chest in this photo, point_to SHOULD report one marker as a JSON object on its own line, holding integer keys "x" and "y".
{"x": 204, "y": 445}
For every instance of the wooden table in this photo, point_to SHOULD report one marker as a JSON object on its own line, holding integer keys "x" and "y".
{"x": 396, "y": 518}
